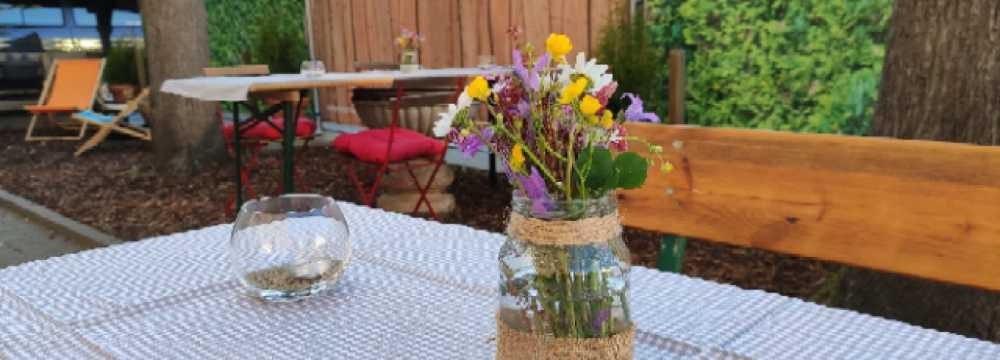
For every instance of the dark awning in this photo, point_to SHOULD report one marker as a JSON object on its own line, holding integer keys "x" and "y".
{"x": 91, "y": 5}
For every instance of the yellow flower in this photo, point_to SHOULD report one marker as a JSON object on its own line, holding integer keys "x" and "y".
{"x": 558, "y": 45}
{"x": 608, "y": 120}
{"x": 479, "y": 89}
{"x": 593, "y": 119}
{"x": 667, "y": 167}
{"x": 516, "y": 158}
{"x": 572, "y": 91}
{"x": 589, "y": 105}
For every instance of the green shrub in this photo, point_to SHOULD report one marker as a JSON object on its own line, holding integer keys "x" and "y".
{"x": 626, "y": 46}
{"x": 120, "y": 66}
{"x": 800, "y": 65}
{"x": 234, "y": 28}
{"x": 279, "y": 46}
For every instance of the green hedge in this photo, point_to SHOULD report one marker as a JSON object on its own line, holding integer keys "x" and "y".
{"x": 800, "y": 65}
{"x": 234, "y": 28}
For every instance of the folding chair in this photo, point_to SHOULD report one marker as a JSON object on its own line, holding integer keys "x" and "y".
{"x": 113, "y": 123}
{"x": 395, "y": 149}
{"x": 70, "y": 87}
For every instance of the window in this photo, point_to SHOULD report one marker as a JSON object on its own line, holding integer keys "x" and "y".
{"x": 126, "y": 18}
{"x": 30, "y": 16}
{"x": 9, "y": 15}
{"x": 82, "y": 17}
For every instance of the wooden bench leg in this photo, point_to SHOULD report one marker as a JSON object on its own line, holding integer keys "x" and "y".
{"x": 671, "y": 257}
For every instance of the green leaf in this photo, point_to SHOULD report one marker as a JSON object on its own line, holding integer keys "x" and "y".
{"x": 597, "y": 167}
{"x": 631, "y": 170}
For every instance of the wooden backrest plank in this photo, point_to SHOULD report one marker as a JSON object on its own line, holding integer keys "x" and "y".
{"x": 922, "y": 208}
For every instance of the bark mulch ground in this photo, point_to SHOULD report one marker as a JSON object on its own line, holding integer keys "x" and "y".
{"x": 116, "y": 189}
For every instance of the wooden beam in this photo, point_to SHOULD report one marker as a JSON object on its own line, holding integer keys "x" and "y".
{"x": 677, "y": 87}
{"x": 922, "y": 208}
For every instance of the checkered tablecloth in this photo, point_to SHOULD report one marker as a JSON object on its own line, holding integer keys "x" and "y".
{"x": 414, "y": 290}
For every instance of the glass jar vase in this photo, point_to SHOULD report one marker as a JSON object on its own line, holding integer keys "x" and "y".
{"x": 563, "y": 275}
{"x": 409, "y": 61}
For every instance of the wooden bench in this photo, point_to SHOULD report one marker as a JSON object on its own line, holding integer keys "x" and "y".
{"x": 921, "y": 208}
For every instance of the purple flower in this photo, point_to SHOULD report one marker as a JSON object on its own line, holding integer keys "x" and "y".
{"x": 519, "y": 69}
{"x": 535, "y": 189}
{"x": 522, "y": 110}
{"x": 602, "y": 316}
{"x": 470, "y": 144}
{"x": 529, "y": 78}
{"x": 540, "y": 64}
{"x": 634, "y": 112}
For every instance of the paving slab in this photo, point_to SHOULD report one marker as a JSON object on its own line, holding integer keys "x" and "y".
{"x": 23, "y": 240}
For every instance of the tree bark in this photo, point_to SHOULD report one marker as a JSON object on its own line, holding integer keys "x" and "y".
{"x": 941, "y": 81}
{"x": 186, "y": 137}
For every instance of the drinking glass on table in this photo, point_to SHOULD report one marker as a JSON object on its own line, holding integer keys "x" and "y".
{"x": 313, "y": 68}
{"x": 289, "y": 247}
{"x": 486, "y": 61}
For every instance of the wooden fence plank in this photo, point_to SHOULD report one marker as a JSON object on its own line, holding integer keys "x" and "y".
{"x": 456, "y": 32}
{"x": 921, "y": 208}
{"x": 362, "y": 29}
{"x": 469, "y": 32}
{"x": 571, "y": 17}
{"x": 536, "y": 21}
{"x": 483, "y": 29}
{"x": 403, "y": 16}
{"x": 380, "y": 35}
{"x": 435, "y": 24}
{"x": 499, "y": 24}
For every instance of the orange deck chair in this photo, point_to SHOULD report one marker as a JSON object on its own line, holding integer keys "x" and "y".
{"x": 71, "y": 86}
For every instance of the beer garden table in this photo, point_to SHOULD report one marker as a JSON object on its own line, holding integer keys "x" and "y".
{"x": 415, "y": 289}
{"x": 238, "y": 89}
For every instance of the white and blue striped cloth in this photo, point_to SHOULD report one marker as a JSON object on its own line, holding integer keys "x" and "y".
{"x": 414, "y": 290}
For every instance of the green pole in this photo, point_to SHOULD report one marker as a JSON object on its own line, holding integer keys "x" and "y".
{"x": 671, "y": 253}
{"x": 288, "y": 148}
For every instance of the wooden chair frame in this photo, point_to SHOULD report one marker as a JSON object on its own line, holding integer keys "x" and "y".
{"x": 68, "y": 125}
{"x": 105, "y": 128}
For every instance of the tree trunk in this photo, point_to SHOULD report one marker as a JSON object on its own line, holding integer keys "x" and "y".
{"x": 186, "y": 137}
{"x": 941, "y": 81}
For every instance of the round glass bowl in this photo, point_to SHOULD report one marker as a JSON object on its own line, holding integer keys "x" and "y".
{"x": 289, "y": 247}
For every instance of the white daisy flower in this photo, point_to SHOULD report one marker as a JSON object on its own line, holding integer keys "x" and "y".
{"x": 443, "y": 124}
{"x": 597, "y": 73}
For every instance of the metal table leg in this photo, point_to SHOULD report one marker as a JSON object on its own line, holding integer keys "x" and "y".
{"x": 238, "y": 157}
{"x": 291, "y": 124}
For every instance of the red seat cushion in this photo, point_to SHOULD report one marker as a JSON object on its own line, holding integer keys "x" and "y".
{"x": 264, "y": 131}
{"x": 371, "y": 145}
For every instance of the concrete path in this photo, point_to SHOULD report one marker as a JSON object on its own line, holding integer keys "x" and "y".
{"x": 22, "y": 240}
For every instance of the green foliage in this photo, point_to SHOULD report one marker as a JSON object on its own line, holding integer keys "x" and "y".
{"x": 601, "y": 172}
{"x": 120, "y": 66}
{"x": 627, "y": 47}
{"x": 799, "y": 65}
{"x": 273, "y": 29}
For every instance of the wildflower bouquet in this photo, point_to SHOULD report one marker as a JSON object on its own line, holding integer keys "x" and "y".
{"x": 564, "y": 267}
{"x": 409, "y": 40}
{"x": 552, "y": 127}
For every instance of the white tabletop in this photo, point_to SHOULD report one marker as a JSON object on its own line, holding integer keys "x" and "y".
{"x": 414, "y": 290}
{"x": 236, "y": 88}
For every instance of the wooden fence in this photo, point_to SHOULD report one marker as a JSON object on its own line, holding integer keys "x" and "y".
{"x": 456, "y": 32}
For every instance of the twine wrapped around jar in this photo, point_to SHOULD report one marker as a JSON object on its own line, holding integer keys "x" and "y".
{"x": 519, "y": 345}
{"x": 564, "y": 232}
{"x": 513, "y": 344}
